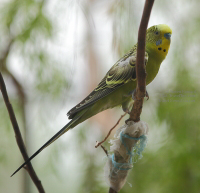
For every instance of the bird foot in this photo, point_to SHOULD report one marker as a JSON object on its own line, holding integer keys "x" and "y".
{"x": 134, "y": 94}
{"x": 126, "y": 110}
{"x": 147, "y": 95}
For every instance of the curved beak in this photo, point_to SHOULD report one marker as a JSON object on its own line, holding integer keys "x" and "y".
{"x": 167, "y": 36}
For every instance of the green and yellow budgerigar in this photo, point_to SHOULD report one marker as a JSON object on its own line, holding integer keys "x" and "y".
{"x": 117, "y": 86}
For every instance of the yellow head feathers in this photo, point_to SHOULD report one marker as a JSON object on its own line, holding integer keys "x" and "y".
{"x": 158, "y": 39}
{"x": 164, "y": 28}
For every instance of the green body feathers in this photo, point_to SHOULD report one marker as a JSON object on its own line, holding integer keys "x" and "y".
{"x": 120, "y": 81}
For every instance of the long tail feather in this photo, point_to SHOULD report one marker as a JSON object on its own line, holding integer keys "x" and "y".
{"x": 56, "y": 136}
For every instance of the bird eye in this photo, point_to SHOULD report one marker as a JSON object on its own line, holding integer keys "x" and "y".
{"x": 156, "y": 33}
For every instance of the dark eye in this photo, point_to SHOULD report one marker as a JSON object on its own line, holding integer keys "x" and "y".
{"x": 156, "y": 33}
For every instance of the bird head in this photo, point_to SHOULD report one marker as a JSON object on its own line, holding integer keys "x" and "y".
{"x": 158, "y": 39}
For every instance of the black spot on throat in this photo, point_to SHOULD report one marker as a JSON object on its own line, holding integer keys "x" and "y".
{"x": 159, "y": 48}
{"x": 164, "y": 50}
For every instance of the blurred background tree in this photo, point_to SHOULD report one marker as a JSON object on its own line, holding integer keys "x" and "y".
{"x": 53, "y": 53}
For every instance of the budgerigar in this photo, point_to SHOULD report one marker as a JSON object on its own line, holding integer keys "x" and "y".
{"x": 117, "y": 86}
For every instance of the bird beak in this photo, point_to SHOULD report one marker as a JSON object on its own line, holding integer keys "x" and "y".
{"x": 167, "y": 36}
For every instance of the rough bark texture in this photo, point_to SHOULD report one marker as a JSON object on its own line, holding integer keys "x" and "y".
{"x": 140, "y": 63}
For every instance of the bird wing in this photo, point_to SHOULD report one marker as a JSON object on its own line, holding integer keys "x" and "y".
{"x": 120, "y": 73}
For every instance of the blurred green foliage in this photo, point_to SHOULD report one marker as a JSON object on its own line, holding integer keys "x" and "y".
{"x": 31, "y": 74}
{"x": 172, "y": 165}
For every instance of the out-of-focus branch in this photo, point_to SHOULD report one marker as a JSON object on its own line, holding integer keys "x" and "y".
{"x": 18, "y": 136}
{"x": 4, "y": 69}
{"x": 140, "y": 63}
{"x": 5, "y": 54}
{"x": 112, "y": 191}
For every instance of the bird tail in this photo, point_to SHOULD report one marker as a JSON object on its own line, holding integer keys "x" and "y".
{"x": 56, "y": 136}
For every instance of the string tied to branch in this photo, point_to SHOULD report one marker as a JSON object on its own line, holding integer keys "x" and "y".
{"x": 127, "y": 147}
{"x": 137, "y": 150}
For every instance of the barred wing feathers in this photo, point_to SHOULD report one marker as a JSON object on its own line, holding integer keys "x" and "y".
{"x": 122, "y": 72}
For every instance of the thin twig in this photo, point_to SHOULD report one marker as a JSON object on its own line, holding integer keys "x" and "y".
{"x": 140, "y": 63}
{"x": 99, "y": 143}
{"x": 18, "y": 136}
{"x": 105, "y": 150}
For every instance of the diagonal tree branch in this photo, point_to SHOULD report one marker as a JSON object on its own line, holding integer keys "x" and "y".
{"x": 18, "y": 136}
{"x": 140, "y": 67}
